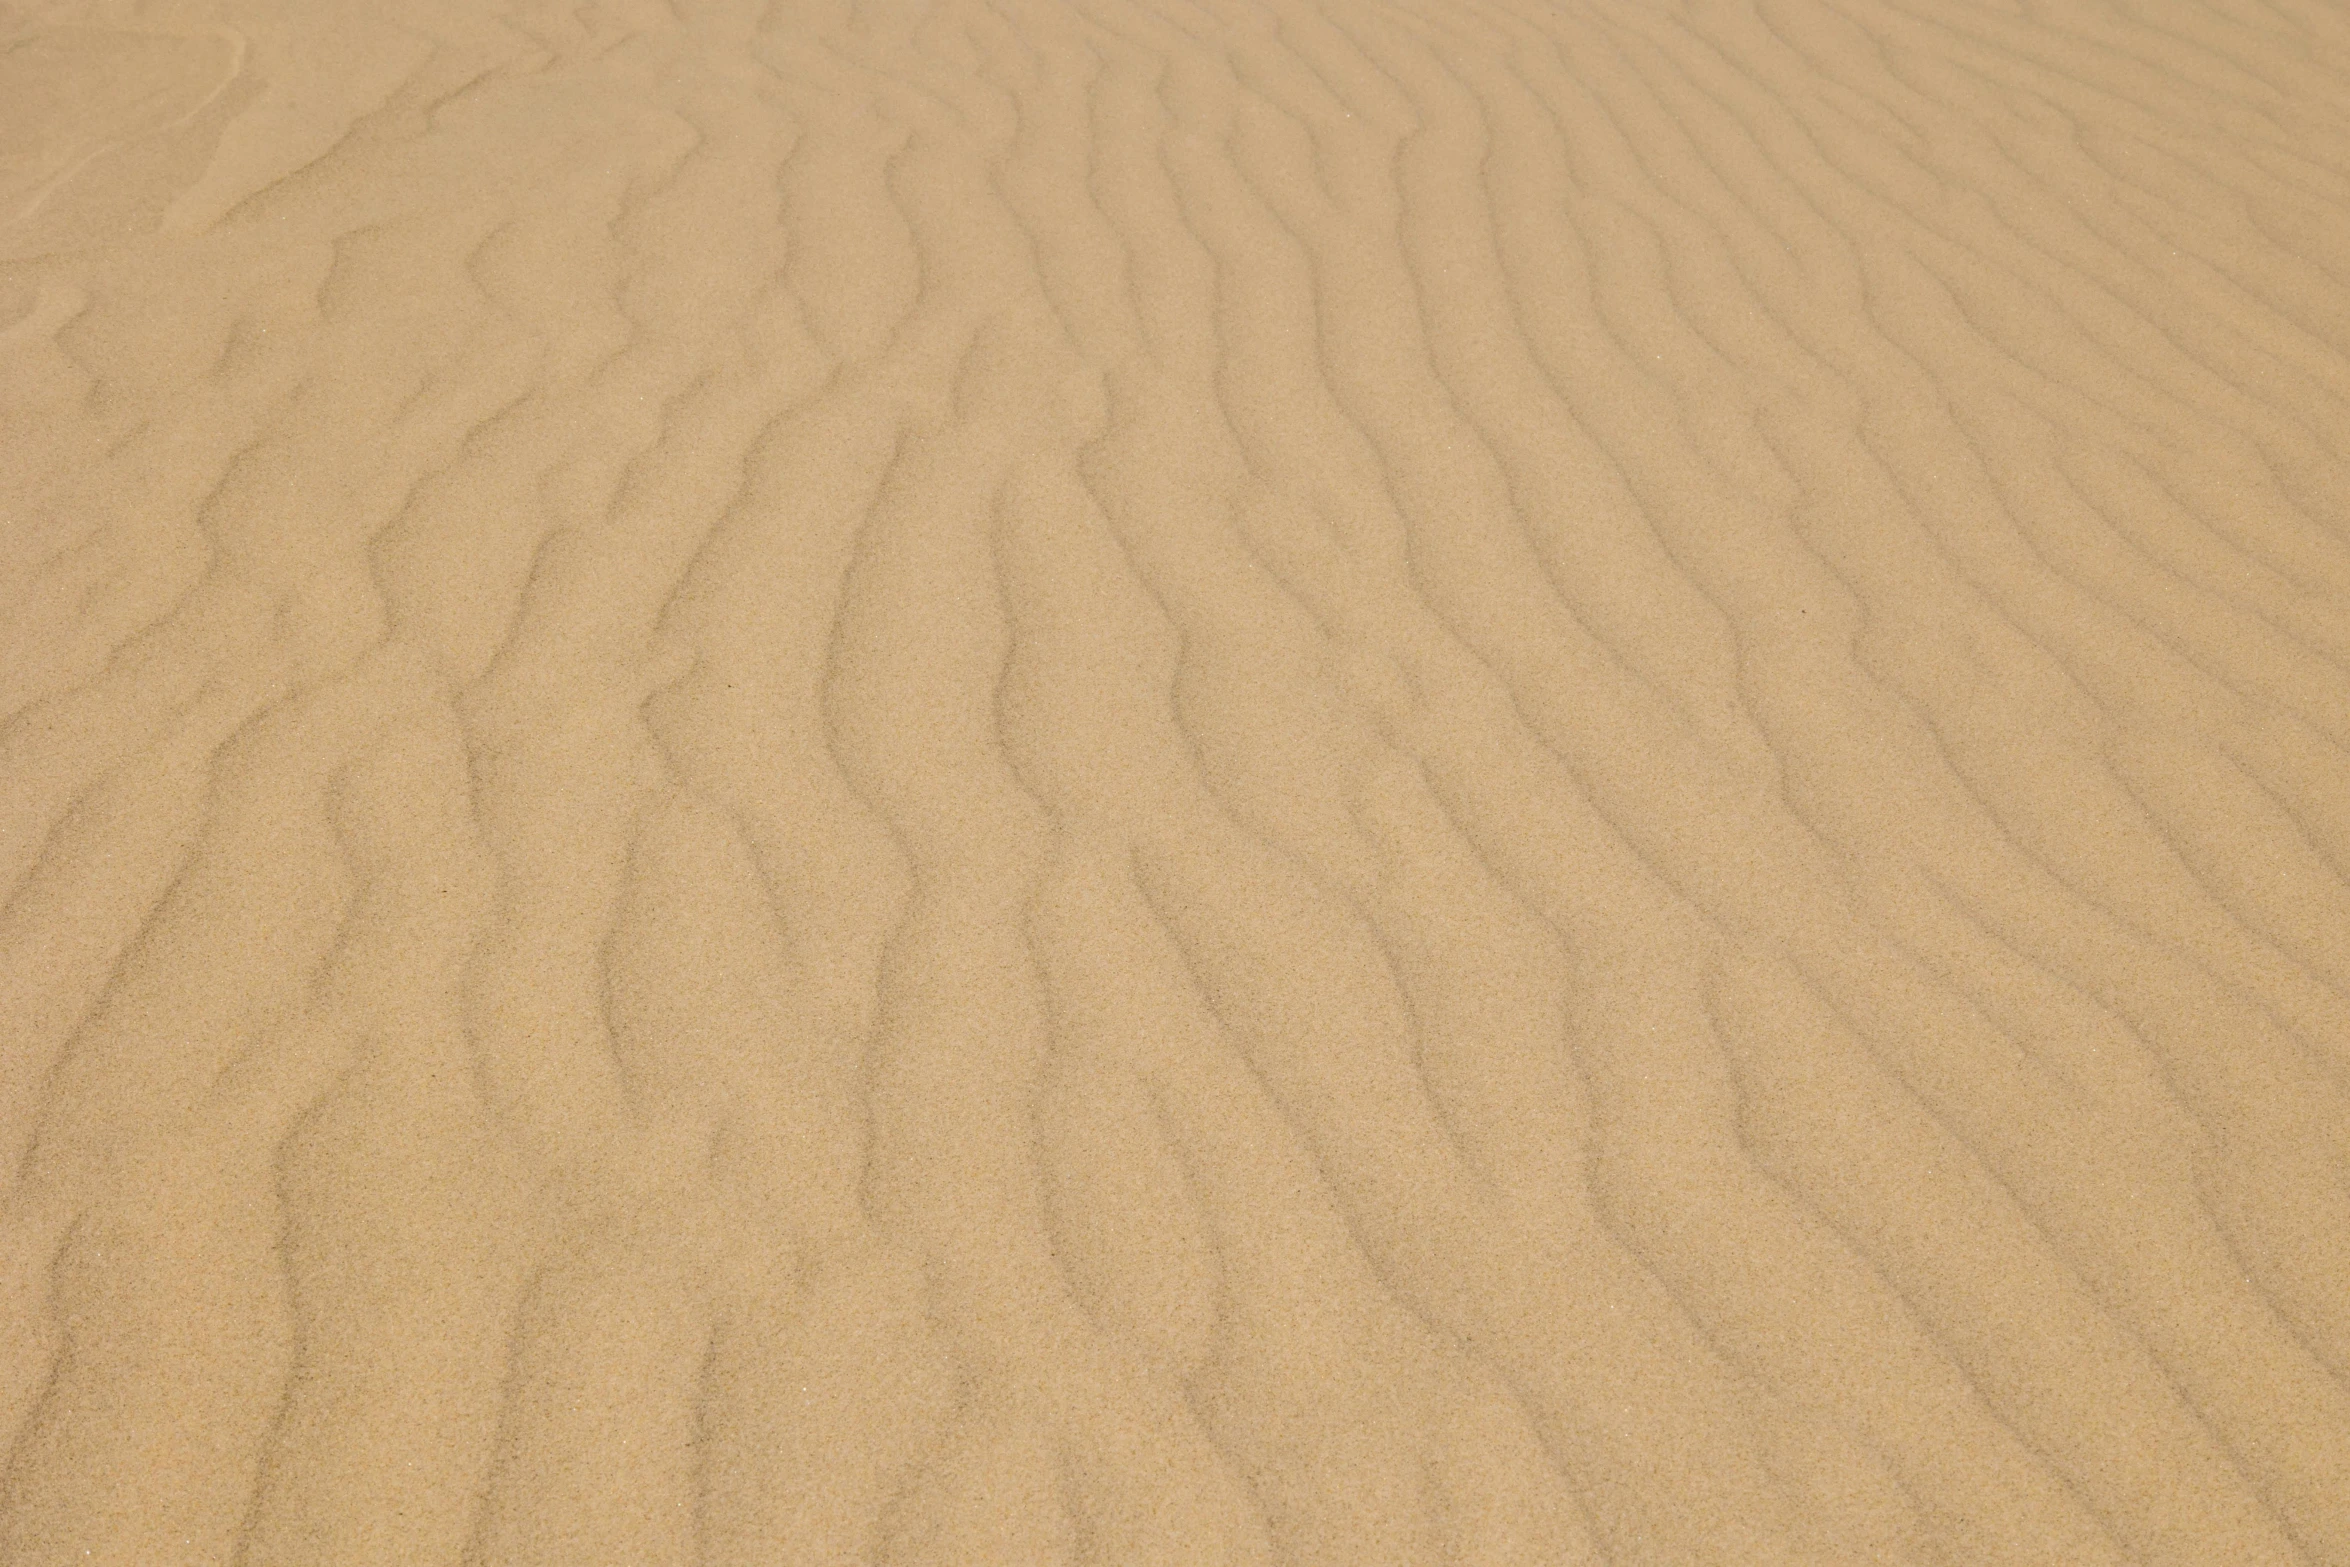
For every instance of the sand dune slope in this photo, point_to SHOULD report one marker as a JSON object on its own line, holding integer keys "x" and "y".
{"x": 1175, "y": 782}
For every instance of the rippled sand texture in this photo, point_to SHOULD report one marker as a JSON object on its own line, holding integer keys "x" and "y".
{"x": 1175, "y": 782}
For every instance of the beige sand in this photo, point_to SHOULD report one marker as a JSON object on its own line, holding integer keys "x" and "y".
{"x": 1175, "y": 782}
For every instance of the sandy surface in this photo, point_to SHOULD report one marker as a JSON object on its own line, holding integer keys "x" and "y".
{"x": 1175, "y": 782}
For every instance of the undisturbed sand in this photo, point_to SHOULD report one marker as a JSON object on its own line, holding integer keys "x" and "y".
{"x": 1175, "y": 782}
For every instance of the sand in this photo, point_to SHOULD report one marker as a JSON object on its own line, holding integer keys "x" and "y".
{"x": 1174, "y": 782}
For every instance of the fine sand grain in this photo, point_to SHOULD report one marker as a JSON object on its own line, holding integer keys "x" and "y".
{"x": 968, "y": 783}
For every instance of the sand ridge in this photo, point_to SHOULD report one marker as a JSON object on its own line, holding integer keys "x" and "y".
{"x": 1175, "y": 781}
